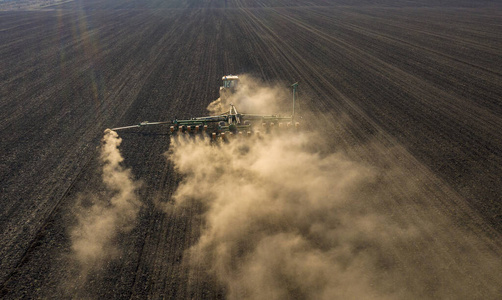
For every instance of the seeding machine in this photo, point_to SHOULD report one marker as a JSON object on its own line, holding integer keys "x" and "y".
{"x": 233, "y": 122}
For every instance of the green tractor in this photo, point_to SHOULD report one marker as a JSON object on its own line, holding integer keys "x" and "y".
{"x": 229, "y": 123}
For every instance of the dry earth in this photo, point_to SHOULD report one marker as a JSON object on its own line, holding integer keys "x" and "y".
{"x": 413, "y": 91}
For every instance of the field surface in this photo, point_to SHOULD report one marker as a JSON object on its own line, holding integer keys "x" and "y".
{"x": 414, "y": 91}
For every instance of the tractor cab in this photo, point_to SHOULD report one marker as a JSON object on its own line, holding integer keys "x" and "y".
{"x": 230, "y": 83}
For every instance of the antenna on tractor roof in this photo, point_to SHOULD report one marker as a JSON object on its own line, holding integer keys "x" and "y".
{"x": 294, "y": 85}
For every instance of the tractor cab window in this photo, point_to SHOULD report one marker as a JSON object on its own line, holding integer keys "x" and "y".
{"x": 230, "y": 83}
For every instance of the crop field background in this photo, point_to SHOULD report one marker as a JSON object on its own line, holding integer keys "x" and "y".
{"x": 398, "y": 196}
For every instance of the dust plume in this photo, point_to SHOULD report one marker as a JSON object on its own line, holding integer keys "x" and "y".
{"x": 253, "y": 96}
{"x": 283, "y": 220}
{"x": 286, "y": 218}
{"x": 102, "y": 217}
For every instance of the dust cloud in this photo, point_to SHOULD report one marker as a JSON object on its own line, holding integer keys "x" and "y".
{"x": 284, "y": 221}
{"x": 252, "y": 96}
{"x": 102, "y": 217}
{"x": 286, "y": 218}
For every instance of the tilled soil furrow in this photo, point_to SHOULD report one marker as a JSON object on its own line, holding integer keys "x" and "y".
{"x": 409, "y": 92}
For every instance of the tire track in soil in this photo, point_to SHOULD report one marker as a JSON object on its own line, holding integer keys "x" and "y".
{"x": 168, "y": 235}
{"x": 396, "y": 75}
{"x": 160, "y": 87}
{"x": 177, "y": 231}
{"x": 38, "y": 236}
{"x": 351, "y": 106}
{"x": 442, "y": 199}
{"x": 470, "y": 134}
{"x": 115, "y": 104}
{"x": 313, "y": 31}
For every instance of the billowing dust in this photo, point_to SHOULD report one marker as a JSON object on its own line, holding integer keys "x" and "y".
{"x": 283, "y": 221}
{"x": 285, "y": 217}
{"x": 102, "y": 217}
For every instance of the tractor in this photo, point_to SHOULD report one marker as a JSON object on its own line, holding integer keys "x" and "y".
{"x": 231, "y": 123}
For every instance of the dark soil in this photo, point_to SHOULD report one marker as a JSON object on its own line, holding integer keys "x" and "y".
{"x": 426, "y": 78}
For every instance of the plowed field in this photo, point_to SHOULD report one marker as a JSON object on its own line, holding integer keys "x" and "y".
{"x": 413, "y": 92}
